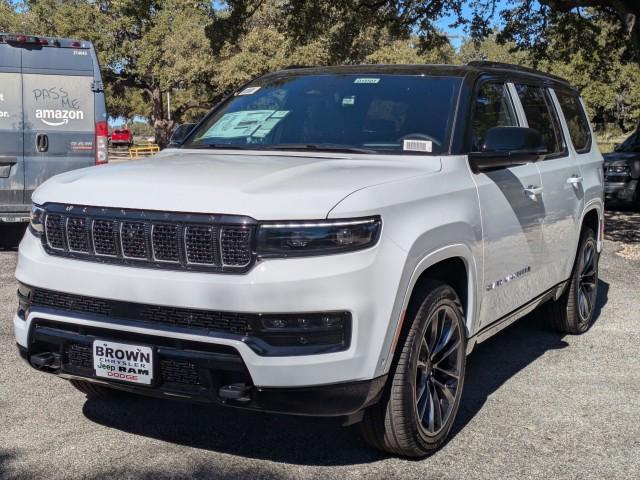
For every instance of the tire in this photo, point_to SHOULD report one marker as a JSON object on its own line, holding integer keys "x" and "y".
{"x": 95, "y": 391}
{"x": 394, "y": 424}
{"x": 573, "y": 312}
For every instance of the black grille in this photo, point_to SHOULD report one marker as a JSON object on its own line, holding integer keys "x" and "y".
{"x": 104, "y": 238}
{"x": 151, "y": 239}
{"x": 164, "y": 239}
{"x": 70, "y": 302}
{"x": 179, "y": 371}
{"x": 55, "y": 231}
{"x": 200, "y": 245}
{"x": 236, "y": 249}
{"x": 228, "y": 322}
{"x": 134, "y": 243}
{"x": 171, "y": 370}
{"x": 78, "y": 234}
{"x": 79, "y": 356}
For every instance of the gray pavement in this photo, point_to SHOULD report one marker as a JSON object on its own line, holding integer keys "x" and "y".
{"x": 536, "y": 405}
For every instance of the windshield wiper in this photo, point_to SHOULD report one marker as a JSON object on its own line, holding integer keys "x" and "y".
{"x": 227, "y": 146}
{"x": 318, "y": 147}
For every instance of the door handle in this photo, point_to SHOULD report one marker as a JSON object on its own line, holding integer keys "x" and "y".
{"x": 574, "y": 180}
{"x": 533, "y": 190}
{"x": 42, "y": 142}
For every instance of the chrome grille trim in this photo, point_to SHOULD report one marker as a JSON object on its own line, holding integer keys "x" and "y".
{"x": 151, "y": 239}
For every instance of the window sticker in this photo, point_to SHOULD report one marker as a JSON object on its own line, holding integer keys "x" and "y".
{"x": 249, "y": 91}
{"x": 366, "y": 80}
{"x": 349, "y": 101}
{"x": 418, "y": 145}
{"x": 256, "y": 123}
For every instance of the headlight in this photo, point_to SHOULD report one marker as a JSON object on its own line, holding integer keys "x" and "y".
{"x": 619, "y": 169}
{"x": 322, "y": 237}
{"x": 35, "y": 223}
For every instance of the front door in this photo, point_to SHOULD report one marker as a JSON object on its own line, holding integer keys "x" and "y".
{"x": 11, "y": 131}
{"x": 512, "y": 214}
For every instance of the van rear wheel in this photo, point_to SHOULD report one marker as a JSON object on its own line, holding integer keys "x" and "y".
{"x": 416, "y": 413}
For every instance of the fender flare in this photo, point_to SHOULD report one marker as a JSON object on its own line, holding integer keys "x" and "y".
{"x": 429, "y": 259}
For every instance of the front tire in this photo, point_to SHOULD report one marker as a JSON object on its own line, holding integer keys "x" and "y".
{"x": 416, "y": 413}
{"x": 574, "y": 311}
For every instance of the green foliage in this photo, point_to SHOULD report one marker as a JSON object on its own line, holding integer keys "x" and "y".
{"x": 198, "y": 51}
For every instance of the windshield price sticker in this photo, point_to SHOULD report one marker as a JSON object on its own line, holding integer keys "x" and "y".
{"x": 249, "y": 91}
{"x": 366, "y": 80}
{"x": 417, "y": 145}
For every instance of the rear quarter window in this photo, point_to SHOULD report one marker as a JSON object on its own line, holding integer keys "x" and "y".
{"x": 576, "y": 119}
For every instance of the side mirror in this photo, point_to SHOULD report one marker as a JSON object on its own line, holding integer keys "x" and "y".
{"x": 616, "y": 147}
{"x": 508, "y": 147}
{"x": 180, "y": 134}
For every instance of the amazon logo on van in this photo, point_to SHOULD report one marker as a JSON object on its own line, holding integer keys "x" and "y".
{"x": 57, "y": 118}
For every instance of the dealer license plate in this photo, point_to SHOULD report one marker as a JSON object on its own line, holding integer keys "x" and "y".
{"x": 121, "y": 361}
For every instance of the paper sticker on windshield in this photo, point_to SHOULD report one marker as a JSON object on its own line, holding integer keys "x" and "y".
{"x": 418, "y": 145}
{"x": 249, "y": 91}
{"x": 349, "y": 101}
{"x": 366, "y": 80}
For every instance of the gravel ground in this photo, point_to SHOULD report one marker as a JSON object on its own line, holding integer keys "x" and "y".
{"x": 536, "y": 405}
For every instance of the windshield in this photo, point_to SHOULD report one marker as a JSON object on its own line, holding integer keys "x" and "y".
{"x": 631, "y": 144}
{"x": 362, "y": 113}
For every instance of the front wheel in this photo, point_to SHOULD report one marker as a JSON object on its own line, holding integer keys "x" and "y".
{"x": 574, "y": 311}
{"x": 416, "y": 413}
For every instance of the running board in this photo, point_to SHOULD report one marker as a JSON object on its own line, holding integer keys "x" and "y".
{"x": 489, "y": 331}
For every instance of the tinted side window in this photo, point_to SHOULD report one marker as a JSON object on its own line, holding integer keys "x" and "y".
{"x": 541, "y": 116}
{"x": 576, "y": 121}
{"x": 492, "y": 108}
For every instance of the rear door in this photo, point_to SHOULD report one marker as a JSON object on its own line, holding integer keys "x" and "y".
{"x": 11, "y": 131}
{"x": 561, "y": 180}
{"x": 59, "y": 112}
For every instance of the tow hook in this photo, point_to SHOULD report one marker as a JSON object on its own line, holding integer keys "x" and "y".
{"x": 237, "y": 392}
{"x": 46, "y": 360}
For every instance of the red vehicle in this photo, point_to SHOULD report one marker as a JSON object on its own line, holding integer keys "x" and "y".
{"x": 121, "y": 137}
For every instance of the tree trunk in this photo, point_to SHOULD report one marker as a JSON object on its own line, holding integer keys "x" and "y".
{"x": 162, "y": 126}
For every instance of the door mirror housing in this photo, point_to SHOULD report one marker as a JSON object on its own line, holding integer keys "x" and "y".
{"x": 180, "y": 134}
{"x": 508, "y": 147}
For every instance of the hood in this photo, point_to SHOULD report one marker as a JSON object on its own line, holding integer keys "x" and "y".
{"x": 263, "y": 186}
{"x": 621, "y": 157}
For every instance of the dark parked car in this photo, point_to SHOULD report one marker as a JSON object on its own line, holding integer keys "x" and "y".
{"x": 622, "y": 171}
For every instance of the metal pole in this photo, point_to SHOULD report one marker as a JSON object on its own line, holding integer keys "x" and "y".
{"x": 169, "y": 105}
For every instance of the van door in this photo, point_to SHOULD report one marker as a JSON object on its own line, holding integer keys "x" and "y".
{"x": 11, "y": 131}
{"x": 59, "y": 113}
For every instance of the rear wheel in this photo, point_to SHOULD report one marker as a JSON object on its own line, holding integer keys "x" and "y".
{"x": 418, "y": 409}
{"x": 573, "y": 312}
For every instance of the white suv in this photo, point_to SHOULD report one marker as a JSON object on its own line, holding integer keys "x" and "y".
{"x": 327, "y": 241}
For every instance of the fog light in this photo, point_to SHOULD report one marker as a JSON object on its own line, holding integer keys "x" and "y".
{"x": 274, "y": 323}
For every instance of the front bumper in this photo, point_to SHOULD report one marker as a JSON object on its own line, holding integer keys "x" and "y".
{"x": 620, "y": 191}
{"x": 363, "y": 283}
{"x": 193, "y": 371}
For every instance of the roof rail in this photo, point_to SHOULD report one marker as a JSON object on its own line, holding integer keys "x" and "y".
{"x": 519, "y": 68}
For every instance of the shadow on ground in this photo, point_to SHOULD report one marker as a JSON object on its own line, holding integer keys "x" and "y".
{"x": 622, "y": 226}
{"x": 313, "y": 441}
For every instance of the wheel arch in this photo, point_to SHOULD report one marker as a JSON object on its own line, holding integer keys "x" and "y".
{"x": 454, "y": 265}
